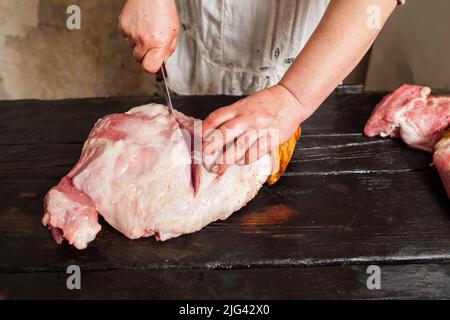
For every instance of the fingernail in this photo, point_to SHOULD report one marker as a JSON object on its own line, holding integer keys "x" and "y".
{"x": 215, "y": 168}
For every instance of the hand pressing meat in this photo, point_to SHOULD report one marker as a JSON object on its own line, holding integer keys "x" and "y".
{"x": 250, "y": 128}
{"x": 419, "y": 120}
{"x": 137, "y": 170}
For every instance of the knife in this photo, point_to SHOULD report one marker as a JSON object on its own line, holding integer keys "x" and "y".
{"x": 162, "y": 77}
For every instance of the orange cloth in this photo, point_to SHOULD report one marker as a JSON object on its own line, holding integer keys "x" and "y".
{"x": 282, "y": 156}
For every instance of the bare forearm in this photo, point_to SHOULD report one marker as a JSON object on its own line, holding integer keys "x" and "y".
{"x": 342, "y": 38}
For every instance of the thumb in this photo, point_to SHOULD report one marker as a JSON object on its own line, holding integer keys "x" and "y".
{"x": 154, "y": 59}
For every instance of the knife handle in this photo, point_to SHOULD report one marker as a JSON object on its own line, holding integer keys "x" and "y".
{"x": 159, "y": 74}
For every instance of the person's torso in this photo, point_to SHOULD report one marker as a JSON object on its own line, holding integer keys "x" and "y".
{"x": 247, "y": 45}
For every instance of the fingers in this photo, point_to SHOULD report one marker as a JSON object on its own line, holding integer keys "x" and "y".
{"x": 259, "y": 149}
{"x": 153, "y": 60}
{"x": 235, "y": 152}
{"x": 172, "y": 47}
{"x": 229, "y": 138}
{"x": 150, "y": 57}
{"x": 130, "y": 41}
{"x": 151, "y": 29}
{"x": 216, "y": 119}
{"x": 245, "y": 149}
{"x": 122, "y": 28}
{"x": 139, "y": 52}
{"x": 221, "y": 138}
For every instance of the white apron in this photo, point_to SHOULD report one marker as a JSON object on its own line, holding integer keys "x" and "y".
{"x": 238, "y": 47}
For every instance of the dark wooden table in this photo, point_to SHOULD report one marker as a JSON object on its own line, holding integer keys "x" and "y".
{"x": 346, "y": 202}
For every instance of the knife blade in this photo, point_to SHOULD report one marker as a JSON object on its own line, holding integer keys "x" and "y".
{"x": 162, "y": 78}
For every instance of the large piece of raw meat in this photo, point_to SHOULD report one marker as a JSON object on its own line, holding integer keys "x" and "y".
{"x": 136, "y": 170}
{"x": 420, "y": 120}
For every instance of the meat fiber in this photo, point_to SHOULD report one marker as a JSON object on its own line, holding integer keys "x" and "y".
{"x": 137, "y": 170}
{"x": 419, "y": 120}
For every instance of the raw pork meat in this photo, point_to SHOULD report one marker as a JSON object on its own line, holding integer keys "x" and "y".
{"x": 136, "y": 170}
{"x": 390, "y": 112}
{"x": 442, "y": 160}
{"x": 419, "y": 119}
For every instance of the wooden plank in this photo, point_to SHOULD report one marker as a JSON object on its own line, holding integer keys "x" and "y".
{"x": 311, "y": 220}
{"x": 354, "y": 154}
{"x": 314, "y": 155}
{"x": 69, "y": 121}
{"x": 345, "y": 200}
{"x": 335, "y": 282}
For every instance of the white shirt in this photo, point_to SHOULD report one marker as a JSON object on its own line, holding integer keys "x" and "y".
{"x": 239, "y": 47}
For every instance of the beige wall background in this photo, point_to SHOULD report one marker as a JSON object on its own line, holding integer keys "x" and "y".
{"x": 414, "y": 47}
{"x": 40, "y": 58}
